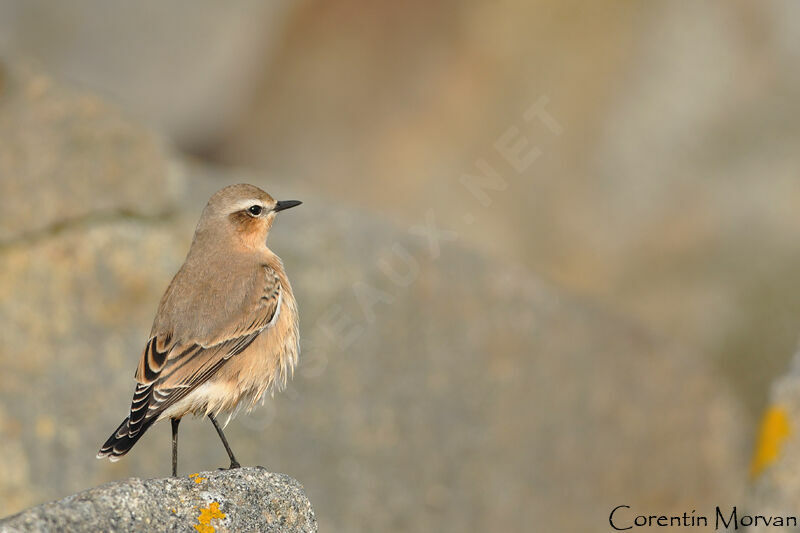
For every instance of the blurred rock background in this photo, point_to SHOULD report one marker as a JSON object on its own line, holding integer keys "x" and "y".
{"x": 598, "y": 325}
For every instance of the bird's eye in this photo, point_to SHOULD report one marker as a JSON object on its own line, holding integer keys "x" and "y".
{"x": 254, "y": 210}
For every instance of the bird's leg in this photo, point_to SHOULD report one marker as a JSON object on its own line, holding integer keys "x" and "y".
{"x": 234, "y": 462}
{"x": 175, "y": 422}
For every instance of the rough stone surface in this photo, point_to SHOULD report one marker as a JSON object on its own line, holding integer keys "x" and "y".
{"x": 438, "y": 389}
{"x": 245, "y": 499}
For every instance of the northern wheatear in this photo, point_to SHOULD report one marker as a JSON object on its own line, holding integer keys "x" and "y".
{"x": 226, "y": 329}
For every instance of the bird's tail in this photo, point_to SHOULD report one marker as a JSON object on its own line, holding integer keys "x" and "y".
{"x": 121, "y": 441}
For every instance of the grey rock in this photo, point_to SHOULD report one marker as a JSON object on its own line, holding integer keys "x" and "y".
{"x": 245, "y": 499}
{"x": 775, "y": 471}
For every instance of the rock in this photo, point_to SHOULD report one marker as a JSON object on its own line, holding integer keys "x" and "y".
{"x": 438, "y": 389}
{"x": 71, "y": 168}
{"x": 245, "y": 499}
{"x": 67, "y": 155}
{"x": 775, "y": 468}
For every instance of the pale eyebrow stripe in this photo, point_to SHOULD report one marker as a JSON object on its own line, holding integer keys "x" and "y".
{"x": 244, "y": 204}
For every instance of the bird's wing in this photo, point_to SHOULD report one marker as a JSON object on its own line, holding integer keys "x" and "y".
{"x": 169, "y": 369}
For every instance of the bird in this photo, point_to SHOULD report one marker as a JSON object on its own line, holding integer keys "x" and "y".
{"x": 226, "y": 330}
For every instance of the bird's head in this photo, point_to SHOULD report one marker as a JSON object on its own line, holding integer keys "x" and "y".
{"x": 243, "y": 211}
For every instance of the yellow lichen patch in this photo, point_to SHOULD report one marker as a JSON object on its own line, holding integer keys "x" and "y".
{"x": 774, "y": 430}
{"x": 207, "y": 514}
{"x": 197, "y": 478}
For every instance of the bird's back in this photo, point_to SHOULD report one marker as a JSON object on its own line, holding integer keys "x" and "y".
{"x": 267, "y": 362}
{"x": 207, "y": 295}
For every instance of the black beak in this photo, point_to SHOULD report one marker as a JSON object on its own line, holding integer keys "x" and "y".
{"x": 286, "y": 204}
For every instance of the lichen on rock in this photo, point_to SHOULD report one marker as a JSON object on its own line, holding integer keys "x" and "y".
{"x": 244, "y": 499}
